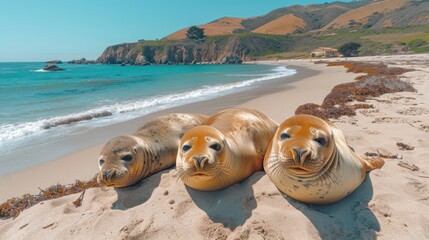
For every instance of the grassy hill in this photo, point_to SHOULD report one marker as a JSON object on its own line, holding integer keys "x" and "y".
{"x": 315, "y": 15}
{"x": 323, "y": 17}
{"x": 373, "y": 41}
{"x": 249, "y": 46}
{"x": 381, "y": 27}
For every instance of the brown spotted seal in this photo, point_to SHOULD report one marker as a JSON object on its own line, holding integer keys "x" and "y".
{"x": 310, "y": 161}
{"x": 125, "y": 160}
{"x": 224, "y": 150}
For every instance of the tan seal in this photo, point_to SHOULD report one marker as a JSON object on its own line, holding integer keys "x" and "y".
{"x": 224, "y": 150}
{"x": 125, "y": 160}
{"x": 310, "y": 161}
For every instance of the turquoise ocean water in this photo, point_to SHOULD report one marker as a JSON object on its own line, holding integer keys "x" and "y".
{"x": 36, "y": 104}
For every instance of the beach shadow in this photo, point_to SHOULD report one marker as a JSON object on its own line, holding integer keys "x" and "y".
{"x": 138, "y": 193}
{"x": 231, "y": 206}
{"x": 349, "y": 218}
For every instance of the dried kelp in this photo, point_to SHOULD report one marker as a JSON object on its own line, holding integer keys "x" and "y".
{"x": 379, "y": 80}
{"x": 13, "y": 206}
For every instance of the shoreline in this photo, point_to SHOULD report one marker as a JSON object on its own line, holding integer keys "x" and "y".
{"x": 79, "y": 102}
{"x": 80, "y": 136}
{"x": 80, "y": 163}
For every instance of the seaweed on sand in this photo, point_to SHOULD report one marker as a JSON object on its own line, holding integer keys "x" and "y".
{"x": 14, "y": 206}
{"x": 379, "y": 80}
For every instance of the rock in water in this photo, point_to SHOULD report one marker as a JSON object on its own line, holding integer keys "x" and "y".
{"x": 54, "y": 62}
{"x": 81, "y": 61}
{"x": 52, "y": 67}
{"x": 232, "y": 59}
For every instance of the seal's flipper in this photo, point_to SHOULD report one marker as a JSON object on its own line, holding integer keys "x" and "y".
{"x": 372, "y": 163}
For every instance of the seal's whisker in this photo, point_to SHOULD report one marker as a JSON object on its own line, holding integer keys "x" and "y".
{"x": 220, "y": 173}
{"x": 276, "y": 166}
{"x": 182, "y": 174}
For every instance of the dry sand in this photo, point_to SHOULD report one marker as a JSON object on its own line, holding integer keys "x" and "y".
{"x": 392, "y": 203}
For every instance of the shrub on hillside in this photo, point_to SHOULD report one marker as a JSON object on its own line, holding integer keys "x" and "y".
{"x": 417, "y": 43}
{"x": 195, "y": 33}
{"x": 350, "y": 49}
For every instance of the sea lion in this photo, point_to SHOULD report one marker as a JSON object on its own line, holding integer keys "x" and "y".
{"x": 225, "y": 149}
{"x": 125, "y": 160}
{"x": 310, "y": 161}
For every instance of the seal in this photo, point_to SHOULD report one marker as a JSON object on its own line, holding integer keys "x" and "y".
{"x": 227, "y": 148}
{"x": 309, "y": 160}
{"x": 125, "y": 160}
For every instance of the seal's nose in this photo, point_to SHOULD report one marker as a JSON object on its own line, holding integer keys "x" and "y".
{"x": 300, "y": 155}
{"x": 199, "y": 162}
{"x": 107, "y": 175}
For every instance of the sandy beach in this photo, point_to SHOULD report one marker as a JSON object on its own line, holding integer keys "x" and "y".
{"x": 82, "y": 163}
{"x": 392, "y": 203}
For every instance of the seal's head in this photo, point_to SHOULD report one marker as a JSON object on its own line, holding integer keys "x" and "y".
{"x": 122, "y": 161}
{"x": 302, "y": 146}
{"x": 202, "y": 158}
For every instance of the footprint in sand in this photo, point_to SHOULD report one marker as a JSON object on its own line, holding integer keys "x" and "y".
{"x": 210, "y": 230}
{"x": 421, "y": 189}
{"x": 388, "y": 120}
{"x": 368, "y": 112}
{"x": 127, "y": 229}
{"x": 257, "y": 230}
{"x": 183, "y": 207}
{"x": 373, "y": 132}
{"x": 403, "y": 100}
{"x": 424, "y": 128}
{"x": 137, "y": 229}
{"x": 394, "y": 120}
{"x": 381, "y": 208}
{"x": 413, "y": 111}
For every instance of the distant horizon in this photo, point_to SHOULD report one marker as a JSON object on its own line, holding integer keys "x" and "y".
{"x": 48, "y": 30}
{"x": 48, "y": 60}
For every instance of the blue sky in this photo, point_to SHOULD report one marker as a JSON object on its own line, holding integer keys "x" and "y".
{"x": 32, "y": 30}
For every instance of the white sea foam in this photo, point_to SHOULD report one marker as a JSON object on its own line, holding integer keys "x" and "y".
{"x": 39, "y": 70}
{"x": 248, "y": 75}
{"x": 129, "y": 109}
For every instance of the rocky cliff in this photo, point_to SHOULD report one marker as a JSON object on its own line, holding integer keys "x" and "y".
{"x": 229, "y": 49}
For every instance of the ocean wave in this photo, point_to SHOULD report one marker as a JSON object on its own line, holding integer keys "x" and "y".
{"x": 248, "y": 75}
{"x": 39, "y": 70}
{"x": 141, "y": 106}
{"x": 72, "y": 119}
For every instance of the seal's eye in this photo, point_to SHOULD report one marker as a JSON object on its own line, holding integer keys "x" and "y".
{"x": 216, "y": 147}
{"x": 284, "y": 136}
{"x": 127, "y": 158}
{"x": 101, "y": 162}
{"x": 186, "y": 148}
{"x": 322, "y": 141}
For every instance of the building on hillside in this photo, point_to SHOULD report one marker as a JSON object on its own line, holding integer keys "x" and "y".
{"x": 325, "y": 52}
